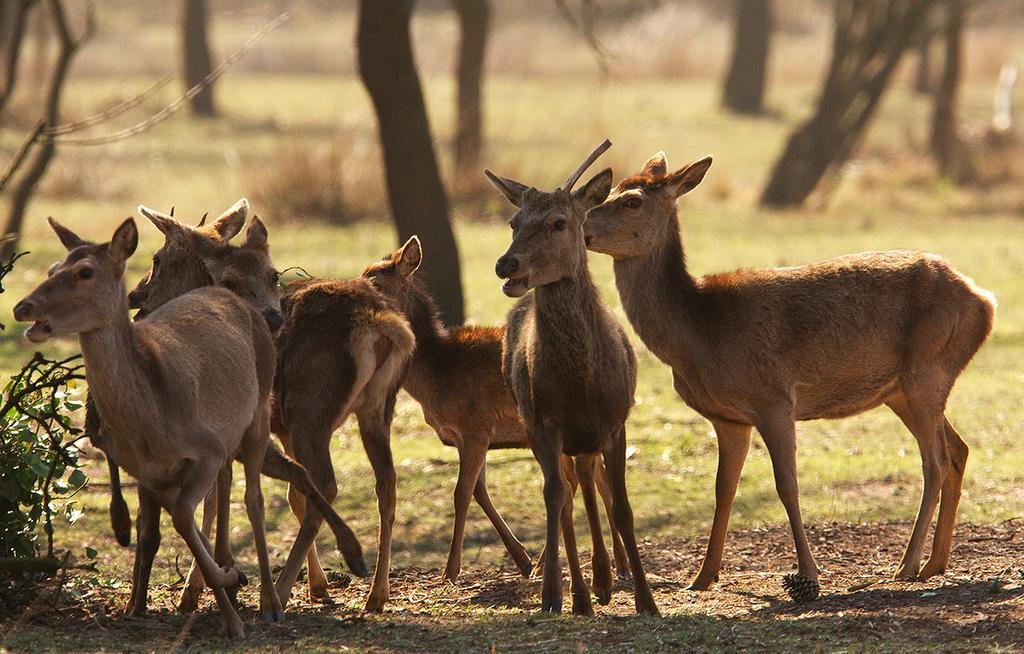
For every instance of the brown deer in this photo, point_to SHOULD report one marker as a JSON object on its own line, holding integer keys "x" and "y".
{"x": 343, "y": 349}
{"x": 179, "y": 266}
{"x": 570, "y": 367}
{"x": 765, "y": 348}
{"x": 455, "y": 375}
{"x": 175, "y": 410}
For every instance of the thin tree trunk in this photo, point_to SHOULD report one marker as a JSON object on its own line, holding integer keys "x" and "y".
{"x": 474, "y": 19}
{"x": 945, "y": 141}
{"x": 197, "y": 60}
{"x": 417, "y": 197}
{"x": 869, "y": 40}
{"x": 12, "y": 34}
{"x": 745, "y": 82}
{"x": 923, "y": 76}
{"x": 25, "y": 185}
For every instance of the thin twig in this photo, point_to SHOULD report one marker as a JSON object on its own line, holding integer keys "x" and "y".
{"x": 21, "y": 154}
{"x": 113, "y": 112}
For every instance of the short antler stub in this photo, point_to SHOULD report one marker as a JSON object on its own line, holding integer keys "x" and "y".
{"x": 598, "y": 151}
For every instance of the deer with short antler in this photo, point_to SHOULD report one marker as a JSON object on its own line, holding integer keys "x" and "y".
{"x": 176, "y": 410}
{"x": 767, "y": 347}
{"x": 455, "y": 375}
{"x": 570, "y": 367}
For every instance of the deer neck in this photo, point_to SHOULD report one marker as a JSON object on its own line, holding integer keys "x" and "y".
{"x": 661, "y": 301}
{"x": 424, "y": 319}
{"x": 568, "y": 322}
{"x": 117, "y": 380}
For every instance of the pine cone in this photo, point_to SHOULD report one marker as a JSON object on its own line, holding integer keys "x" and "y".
{"x": 801, "y": 588}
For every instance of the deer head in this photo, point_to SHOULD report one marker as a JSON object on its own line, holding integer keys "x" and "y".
{"x": 201, "y": 256}
{"x": 547, "y": 230}
{"x": 177, "y": 267}
{"x": 392, "y": 275}
{"x": 84, "y": 292}
{"x": 638, "y": 213}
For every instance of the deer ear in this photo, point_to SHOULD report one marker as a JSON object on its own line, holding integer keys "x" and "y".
{"x": 161, "y": 221}
{"x": 656, "y": 166}
{"x": 68, "y": 238}
{"x": 124, "y": 241}
{"x": 229, "y": 223}
{"x": 512, "y": 190}
{"x": 685, "y": 180}
{"x": 595, "y": 191}
{"x": 410, "y": 256}
{"x": 256, "y": 238}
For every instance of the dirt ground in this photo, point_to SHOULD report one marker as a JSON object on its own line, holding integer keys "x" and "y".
{"x": 977, "y": 606}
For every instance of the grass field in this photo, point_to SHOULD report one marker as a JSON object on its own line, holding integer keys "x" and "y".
{"x": 861, "y": 470}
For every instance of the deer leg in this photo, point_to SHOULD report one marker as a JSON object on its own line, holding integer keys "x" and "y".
{"x": 926, "y": 424}
{"x": 253, "y": 452}
{"x": 312, "y": 449}
{"x": 949, "y": 499}
{"x": 317, "y": 581}
{"x": 375, "y": 431}
{"x": 146, "y": 546}
{"x": 605, "y": 491}
{"x": 581, "y": 604}
{"x": 622, "y": 514}
{"x": 188, "y": 601}
{"x": 733, "y": 444}
{"x": 512, "y": 544}
{"x": 198, "y": 482}
{"x": 600, "y": 563}
{"x": 571, "y": 484}
{"x": 120, "y": 519}
{"x": 472, "y": 455}
{"x": 548, "y": 451}
{"x": 780, "y": 438}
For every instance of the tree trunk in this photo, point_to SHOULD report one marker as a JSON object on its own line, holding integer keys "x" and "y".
{"x": 417, "y": 197}
{"x": 745, "y": 82}
{"x": 945, "y": 141}
{"x": 923, "y": 76}
{"x": 197, "y": 60}
{"x": 25, "y": 185}
{"x": 869, "y": 39}
{"x": 13, "y": 14}
{"x": 474, "y": 19}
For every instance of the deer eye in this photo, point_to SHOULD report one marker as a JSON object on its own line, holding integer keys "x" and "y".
{"x": 558, "y": 225}
{"x": 85, "y": 273}
{"x": 634, "y": 203}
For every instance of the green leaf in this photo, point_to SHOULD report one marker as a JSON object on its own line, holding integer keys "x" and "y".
{"x": 77, "y": 479}
{"x": 90, "y": 552}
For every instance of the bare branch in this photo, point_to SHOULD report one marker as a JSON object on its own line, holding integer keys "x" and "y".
{"x": 22, "y": 152}
{"x": 113, "y": 112}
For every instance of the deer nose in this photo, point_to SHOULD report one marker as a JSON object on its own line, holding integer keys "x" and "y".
{"x": 274, "y": 320}
{"x": 506, "y": 266}
{"x": 23, "y": 310}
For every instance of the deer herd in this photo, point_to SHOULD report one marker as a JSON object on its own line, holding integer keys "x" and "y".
{"x": 219, "y": 356}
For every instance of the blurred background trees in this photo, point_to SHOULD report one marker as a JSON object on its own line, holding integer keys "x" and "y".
{"x": 748, "y": 68}
{"x": 197, "y": 60}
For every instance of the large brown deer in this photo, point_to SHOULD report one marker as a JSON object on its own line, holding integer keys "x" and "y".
{"x": 765, "y": 348}
{"x": 570, "y": 367}
{"x": 343, "y": 349}
{"x": 192, "y": 258}
{"x": 455, "y": 375}
{"x": 175, "y": 409}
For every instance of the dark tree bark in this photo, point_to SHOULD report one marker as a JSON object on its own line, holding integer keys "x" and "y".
{"x": 870, "y": 37}
{"x": 417, "y": 197}
{"x": 745, "y": 82}
{"x": 197, "y": 59}
{"x": 923, "y": 75}
{"x": 25, "y": 185}
{"x": 13, "y": 15}
{"x": 474, "y": 25}
{"x": 945, "y": 141}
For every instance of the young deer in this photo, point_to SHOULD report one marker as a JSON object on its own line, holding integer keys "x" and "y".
{"x": 343, "y": 349}
{"x": 764, "y": 348}
{"x": 146, "y": 378}
{"x": 455, "y": 375}
{"x": 192, "y": 258}
{"x": 570, "y": 367}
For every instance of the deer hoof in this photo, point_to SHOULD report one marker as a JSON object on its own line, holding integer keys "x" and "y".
{"x": 604, "y": 596}
{"x": 189, "y": 600}
{"x": 581, "y": 604}
{"x": 553, "y": 606}
{"x": 272, "y": 616}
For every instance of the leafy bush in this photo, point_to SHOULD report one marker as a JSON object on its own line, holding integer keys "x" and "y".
{"x": 39, "y": 467}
